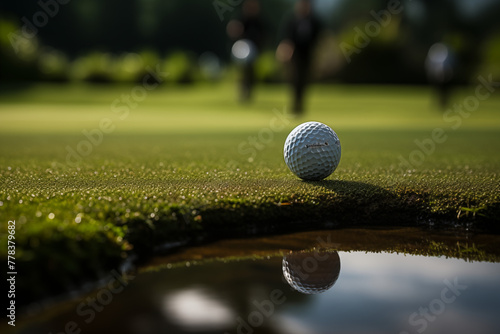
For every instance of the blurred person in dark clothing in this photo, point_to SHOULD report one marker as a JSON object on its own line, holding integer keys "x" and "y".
{"x": 301, "y": 32}
{"x": 440, "y": 67}
{"x": 248, "y": 31}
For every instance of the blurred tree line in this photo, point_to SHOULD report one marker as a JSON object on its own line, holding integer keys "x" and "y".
{"x": 113, "y": 40}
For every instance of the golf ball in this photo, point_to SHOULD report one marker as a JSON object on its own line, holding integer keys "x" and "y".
{"x": 312, "y": 151}
{"x": 311, "y": 272}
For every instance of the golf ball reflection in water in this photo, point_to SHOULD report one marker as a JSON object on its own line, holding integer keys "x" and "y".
{"x": 311, "y": 272}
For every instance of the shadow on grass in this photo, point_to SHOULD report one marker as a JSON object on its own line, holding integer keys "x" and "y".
{"x": 359, "y": 203}
{"x": 349, "y": 187}
{"x": 333, "y": 204}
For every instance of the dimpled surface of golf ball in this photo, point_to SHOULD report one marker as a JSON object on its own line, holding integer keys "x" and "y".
{"x": 311, "y": 272}
{"x": 312, "y": 151}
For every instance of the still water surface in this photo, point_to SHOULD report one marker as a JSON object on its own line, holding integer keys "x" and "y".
{"x": 307, "y": 292}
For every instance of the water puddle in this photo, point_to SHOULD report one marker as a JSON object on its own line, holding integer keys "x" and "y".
{"x": 301, "y": 283}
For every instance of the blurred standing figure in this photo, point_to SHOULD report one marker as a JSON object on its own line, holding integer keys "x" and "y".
{"x": 248, "y": 33}
{"x": 300, "y": 36}
{"x": 440, "y": 65}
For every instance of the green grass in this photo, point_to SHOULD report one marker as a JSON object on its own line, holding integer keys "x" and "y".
{"x": 180, "y": 166}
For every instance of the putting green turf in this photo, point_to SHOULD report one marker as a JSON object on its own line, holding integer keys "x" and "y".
{"x": 189, "y": 162}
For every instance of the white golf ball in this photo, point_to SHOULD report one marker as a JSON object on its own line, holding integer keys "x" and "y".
{"x": 312, "y": 151}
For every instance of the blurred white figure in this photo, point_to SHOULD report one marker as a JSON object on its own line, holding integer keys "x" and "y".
{"x": 439, "y": 66}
